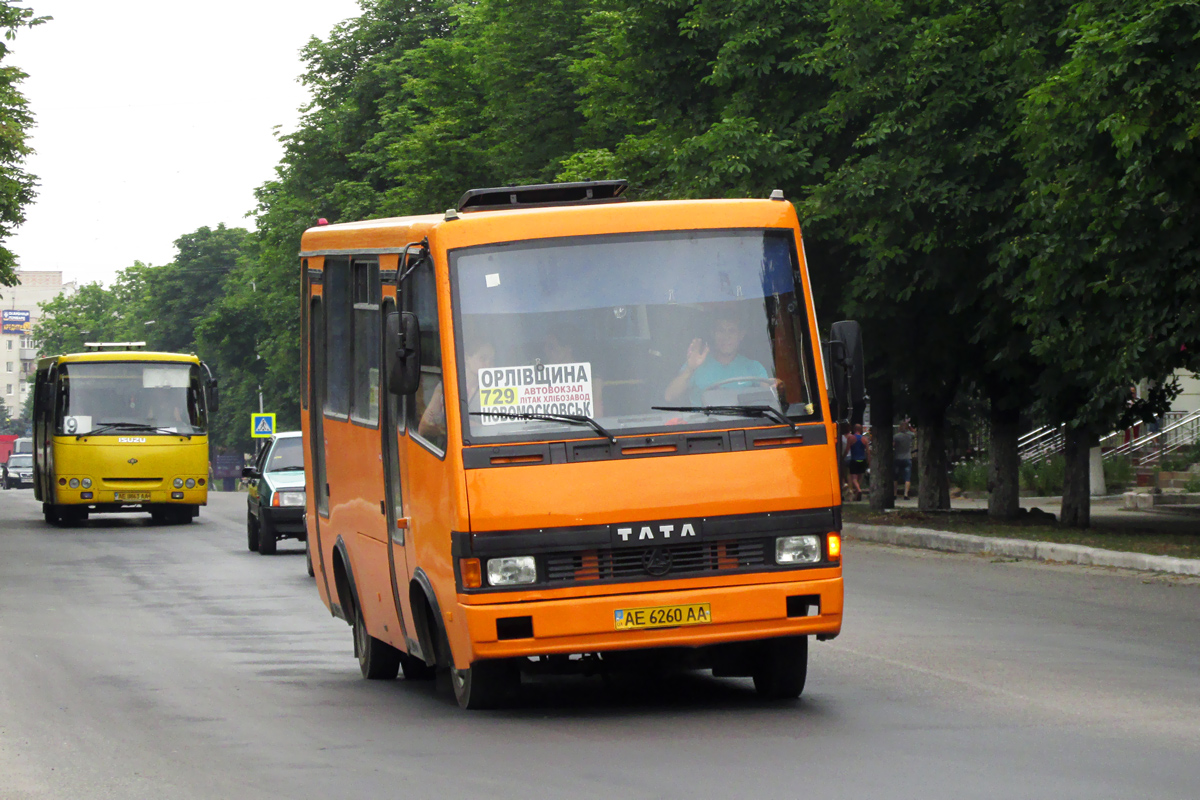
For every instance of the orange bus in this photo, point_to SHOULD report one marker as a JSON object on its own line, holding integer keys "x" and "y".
{"x": 553, "y": 430}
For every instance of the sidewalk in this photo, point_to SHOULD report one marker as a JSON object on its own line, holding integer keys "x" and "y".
{"x": 1107, "y": 515}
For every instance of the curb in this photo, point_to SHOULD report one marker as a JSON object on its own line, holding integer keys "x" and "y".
{"x": 1019, "y": 548}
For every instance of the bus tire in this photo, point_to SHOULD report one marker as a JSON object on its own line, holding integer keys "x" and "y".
{"x": 379, "y": 661}
{"x": 182, "y": 515}
{"x": 308, "y": 558}
{"x": 266, "y": 537}
{"x": 485, "y": 684}
{"x": 782, "y": 668}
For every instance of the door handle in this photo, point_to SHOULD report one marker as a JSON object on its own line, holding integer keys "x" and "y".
{"x": 382, "y": 508}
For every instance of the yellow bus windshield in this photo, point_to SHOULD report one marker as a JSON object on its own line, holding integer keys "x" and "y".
{"x": 156, "y": 398}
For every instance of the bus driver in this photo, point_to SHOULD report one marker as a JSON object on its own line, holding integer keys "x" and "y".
{"x": 704, "y": 369}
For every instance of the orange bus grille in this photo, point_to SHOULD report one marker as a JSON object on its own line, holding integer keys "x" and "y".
{"x": 657, "y": 562}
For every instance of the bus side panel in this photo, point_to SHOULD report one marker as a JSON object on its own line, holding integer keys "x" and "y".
{"x": 355, "y": 471}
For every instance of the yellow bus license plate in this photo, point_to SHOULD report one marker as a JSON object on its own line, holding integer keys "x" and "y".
{"x": 628, "y": 619}
{"x": 131, "y": 497}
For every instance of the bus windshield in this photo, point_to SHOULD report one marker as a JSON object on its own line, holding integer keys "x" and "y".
{"x": 634, "y": 331}
{"x": 151, "y": 398}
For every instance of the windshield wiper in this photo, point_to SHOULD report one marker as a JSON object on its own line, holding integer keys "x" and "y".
{"x": 745, "y": 411}
{"x": 577, "y": 419}
{"x": 286, "y": 469}
{"x": 128, "y": 426}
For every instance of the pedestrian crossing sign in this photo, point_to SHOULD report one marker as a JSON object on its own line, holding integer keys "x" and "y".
{"x": 262, "y": 426}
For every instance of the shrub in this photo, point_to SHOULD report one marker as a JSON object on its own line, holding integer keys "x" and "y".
{"x": 1193, "y": 484}
{"x": 1043, "y": 477}
{"x": 970, "y": 476}
{"x": 1118, "y": 474}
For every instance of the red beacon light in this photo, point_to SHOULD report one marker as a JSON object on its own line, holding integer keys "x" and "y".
{"x": 322, "y": 221}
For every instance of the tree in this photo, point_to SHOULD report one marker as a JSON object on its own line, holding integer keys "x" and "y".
{"x": 1110, "y": 140}
{"x": 16, "y": 184}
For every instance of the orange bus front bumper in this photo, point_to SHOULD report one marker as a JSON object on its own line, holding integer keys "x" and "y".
{"x": 587, "y": 624}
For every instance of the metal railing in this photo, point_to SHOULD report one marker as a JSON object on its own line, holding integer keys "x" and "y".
{"x": 1040, "y": 443}
{"x": 1179, "y": 430}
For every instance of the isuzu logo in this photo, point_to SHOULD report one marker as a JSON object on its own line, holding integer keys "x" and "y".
{"x": 131, "y": 439}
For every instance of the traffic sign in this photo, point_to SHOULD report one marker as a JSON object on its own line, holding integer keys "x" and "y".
{"x": 262, "y": 426}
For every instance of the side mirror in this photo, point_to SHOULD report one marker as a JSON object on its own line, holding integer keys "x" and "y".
{"x": 403, "y": 345}
{"x": 214, "y": 397}
{"x": 846, "y": 368}
{"x": 248, "y": 472}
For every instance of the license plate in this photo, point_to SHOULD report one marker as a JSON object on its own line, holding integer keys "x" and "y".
{"x": 629, "y": 619}
{"x": 131, "y": 497}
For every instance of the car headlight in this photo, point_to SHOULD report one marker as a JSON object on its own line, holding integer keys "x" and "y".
{"x": 190, "y": 483}
{"x": 74, "y": 483}
{"x": 511, "y": 571}
{"x": 87, "y": 483}
{"x": 288, "y": 499}
{"x": 797, "y": 549}
{"x": 178, "y": 483}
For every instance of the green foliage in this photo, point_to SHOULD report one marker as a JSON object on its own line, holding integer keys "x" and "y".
{"x": 1043, "y": 477}
{"x": 1193, "y": 484}
{"x": 1119, "y": 474}
{"x": 16, "y": 184}
{"x": 970, "y": 476}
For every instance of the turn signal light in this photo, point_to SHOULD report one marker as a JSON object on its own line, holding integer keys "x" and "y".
{"x": 472, "y": 574}
{"x": 835, "y": 547}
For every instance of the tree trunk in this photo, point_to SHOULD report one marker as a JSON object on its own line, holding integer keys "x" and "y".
{"x": 1076, "y": 498}
{"x": 883, "y": 495}
{"x": 1004, "y": 480}
{"x": 934, "y": 492}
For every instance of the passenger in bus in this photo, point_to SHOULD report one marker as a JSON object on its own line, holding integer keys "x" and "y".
{"x": 433, "y": 420}
{"x": 705, "y": 368}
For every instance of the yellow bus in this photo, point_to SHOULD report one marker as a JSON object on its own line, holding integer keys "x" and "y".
{"x": 120, "y": 429}
{"x": 551, "y": 430}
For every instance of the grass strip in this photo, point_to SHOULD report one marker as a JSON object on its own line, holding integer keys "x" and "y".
{"x": 1034, "y": 527}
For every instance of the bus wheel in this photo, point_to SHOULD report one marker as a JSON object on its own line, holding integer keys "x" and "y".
{"x": 52, "y": 514}
{"x": 485, "y": 684}
{"x": 782, "y": 668}
{"x": 379, "y": 661}
{"x": 181, "y": 515}
{"x": 308, "y": 558}
{"x": 266, "y": 537}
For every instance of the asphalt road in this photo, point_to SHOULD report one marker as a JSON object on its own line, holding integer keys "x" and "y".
{"x": 169, "y": 662}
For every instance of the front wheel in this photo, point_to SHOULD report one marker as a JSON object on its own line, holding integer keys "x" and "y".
{"x": 378, "y": 660}
{"x": 251, "y": 532}
{"x": 308, "y": 558}
{"x": 485, "y": 684}
{"x": 266, "y": 535}
{"x": 782, "y": 668}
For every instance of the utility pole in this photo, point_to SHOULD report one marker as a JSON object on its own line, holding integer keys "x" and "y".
{"x": 257, "y": 357}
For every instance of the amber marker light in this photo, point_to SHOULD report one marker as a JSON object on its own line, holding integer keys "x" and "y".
{"x": 472, "y": 575}
{"x": 835, "y": 546}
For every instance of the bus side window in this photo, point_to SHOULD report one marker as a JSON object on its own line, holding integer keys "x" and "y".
{"x": 427, "y": 415}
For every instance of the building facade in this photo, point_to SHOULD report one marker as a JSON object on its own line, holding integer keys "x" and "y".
{"x": 19, "y": 314}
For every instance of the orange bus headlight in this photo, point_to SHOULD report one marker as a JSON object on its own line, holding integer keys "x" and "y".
{"x": 511, "y": 571}
{"x": 472, "y": 577}
{"x": 835, "y": 546}
{"x": 798, "y": 549}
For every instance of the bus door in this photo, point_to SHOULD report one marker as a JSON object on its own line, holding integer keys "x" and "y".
{"x": 318, "y": 488}
{"x": 391, "y": 428}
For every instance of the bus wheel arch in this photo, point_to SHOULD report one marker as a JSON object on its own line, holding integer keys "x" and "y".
{"x": 427, "y": 616}
{"x": 343, "y": 583}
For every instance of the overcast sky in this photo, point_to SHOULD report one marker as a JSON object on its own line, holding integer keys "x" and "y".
{"x": 154, "y": 117}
